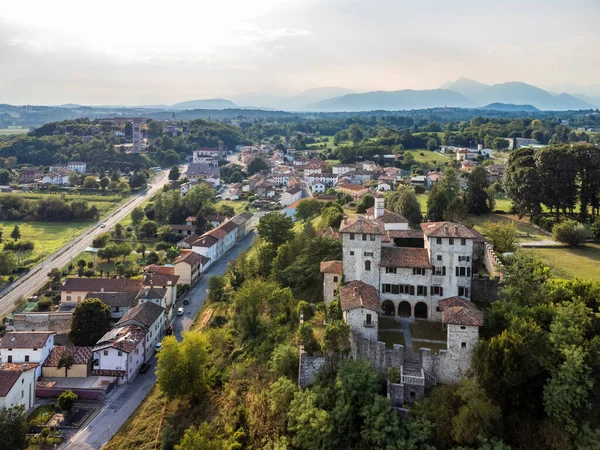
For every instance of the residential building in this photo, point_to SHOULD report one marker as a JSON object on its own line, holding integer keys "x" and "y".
{"x": 354, "y": 190}
{"x": 74, "y": 290}
{"x": 188, "y": 266}
{"x": 26, "y": 347}
{"x": 29, "y": 174}
{"x": 342, "y": 169}
{"x": 77, "y": 166}
{"x": 204, "y": 172}
{"x": 17, "y": 385}
{"x": 151, "y": 317}
{"x": 82, "y": 358}
{"x": 138, "y": 142}
{"x": 318, "y": 188}
{"x": 58, "y": 177}
{"x": 290, "y": 196}
{"x": 120, "y": 352}
{"x": 119, "y": 302}
{"x": 206, "y": 154}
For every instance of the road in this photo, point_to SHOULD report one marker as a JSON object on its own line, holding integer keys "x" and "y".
{"x": 122, "y": 403}
{"x": 38, "y": 275}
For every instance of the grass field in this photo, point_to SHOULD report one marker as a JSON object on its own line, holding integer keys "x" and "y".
{"x": 525, "y": 230}
{"x": 238, "y": 206}
{"x": 328, "y": 145}
{"x": 391, "y": 337}
{"x": 582, "y": 262}
{"x": 427, "y": 156}
{"x": 13, "y": 130}
{"x": 104, "y": 203}
{"x": 428, "y": 330}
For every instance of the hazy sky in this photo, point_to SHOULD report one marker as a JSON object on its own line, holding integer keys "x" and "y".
{"x": 149, "y": 52}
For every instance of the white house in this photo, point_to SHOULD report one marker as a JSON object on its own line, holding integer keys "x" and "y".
{"x": 360, "y": 308}
{"x": 77, "y": 166}
{"x": 26, "y": 347}
{"x": 341, "y": 169}
{"x": 150, "y": 317}
{"x": 58, "y": 177}
{"x": 318, "y": 188}
{"x": 120, "y": 353}
{"x": 17, "y": 385}
{"x": 290, "y": 196}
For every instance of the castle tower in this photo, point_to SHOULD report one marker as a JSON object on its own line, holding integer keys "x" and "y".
{"x": 221, "y": 150}
{"x": 361, "y": 249}
{"x": 379, "y": 208}
{"x": 137, "y": 136}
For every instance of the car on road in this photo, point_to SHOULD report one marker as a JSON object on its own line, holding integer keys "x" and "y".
{"x": 186, "y": 301}
{"x": 145, "y": 367}
{"x": 102, "y": 225}
{"x": 158, "y": 346}
{"x": 181, "y": 311}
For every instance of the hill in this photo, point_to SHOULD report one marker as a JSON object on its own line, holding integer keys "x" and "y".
{"x": 393, "y": 100}
{"x": 215, "y": 103}
{"x": 509, "y": 107}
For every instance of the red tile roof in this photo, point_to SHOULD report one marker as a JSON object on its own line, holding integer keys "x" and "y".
{"x": 125, "y": 338}
{"x": 160, "y": 279}
{"x": 101, "y": 284}
{"x": 406, "y": 234}
{"x": 331, "y": 267}
{"x": 458, "y": 311}
{"x": 446, "y": 229}
{"x": 358, "y": 294}
{"x": 10, "y": 373}
{"x": 361, "y": 225}
{"x": 80, "y": 355}
{"x": 406, "y": 257}
{"x": 191, "y": 258}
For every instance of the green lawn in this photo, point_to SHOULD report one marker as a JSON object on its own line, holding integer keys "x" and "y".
{"x": 104, "y": 203}
{"x": 328, "y": 145}
{"x": 41, "y": 414}
{"x": 428, "y": 330}
{"x": 582, "y": 262}
{"x": 525, "y": 230}
{"x": 391, "y": 337}
{"x": 239, "y": 206}
{"x": 427, "y": 156}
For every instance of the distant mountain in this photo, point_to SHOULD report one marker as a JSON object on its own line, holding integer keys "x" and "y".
{"x": 297, "y": 102}
{"x": 393, "y": 100}
{"x": 317, "y": 94}
{"x": 509, "y": 107}
{"x": 516, "y": 93}
{"x": 215, "y": 103}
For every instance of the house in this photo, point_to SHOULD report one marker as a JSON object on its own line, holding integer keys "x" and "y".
{"x": 360, "y": 176}
{"x": 462, "y": 154}
{"x": 163, "y": 281}
{"x": 58, "y": 177}
{"x": 17, "y": 385}
{"x": 214, "y": 219}
{"x": 290, "y": 196}
{"x": 26, "y": 347}
{"x": 205, "y": 245}
{"x": 468, "y": 166}
{"x": 420, "y": 180}
{"x": 184, "y": 230}
{"x": 188, "y": 266}
{"x": 360, "y": 308}
{"x": 244, "y": 224}
{"x": 74, "y": 290}
{"x": 204, "y": 172}
{"x": 29, "y": 174}
{"x": 150, "y": 317}
{"x": 332, "y": 276}
{"x": 328, "y": 179}
{"x": 384, "y": 186}
{"x": 341, "y": 169}
{"x": 119, "y": 302}
{"x": 264, "y": 188}
{"x": 318, "y": 188}
{"x": 81, "y": 357}
{"x": 150, "y": 294}
{"x": 354, "y": 190}
{"x": 184, "y": 188}
{"x": 77, "y": 166}
{"x": 202, "y": 154}
{"x": 434, "y": 177}
{"x": 120, "y": 352}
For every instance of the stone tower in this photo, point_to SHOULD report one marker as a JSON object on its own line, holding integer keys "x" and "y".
{"x": 379, "y": 208}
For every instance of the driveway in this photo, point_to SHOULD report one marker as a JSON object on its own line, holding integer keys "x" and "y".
{"x": 125, "y": 399}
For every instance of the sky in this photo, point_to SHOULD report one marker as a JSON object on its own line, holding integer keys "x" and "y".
{"x": 160, "y": 52}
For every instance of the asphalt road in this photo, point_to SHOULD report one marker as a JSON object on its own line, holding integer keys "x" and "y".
{"x": 28, "y": 284}
{"x": 123, "y": 401}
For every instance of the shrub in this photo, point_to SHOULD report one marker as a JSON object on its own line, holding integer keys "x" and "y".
{"x": 595, "y": 229}
{"x": 569, "y": 232}
{"x": 307, "y": 337}
{"x": 44, "y": 305}
{"x": 66, "y": 400}
{"x": 419, "y": 189}
{"x": 394, "y": 375}
{"x": 305, "y": 309}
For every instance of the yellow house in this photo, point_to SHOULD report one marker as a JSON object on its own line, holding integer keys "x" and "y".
{"x": 189, "y": 266}
{"x": 81, "y": 358}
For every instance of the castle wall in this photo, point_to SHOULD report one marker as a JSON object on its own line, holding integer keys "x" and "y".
{"x": 375, "y": 352}
{"x": 330, "y": 286}
{"x": 492, "y": 263}
{"x": 309, "y": 368}
{"x": 484, "y": 289}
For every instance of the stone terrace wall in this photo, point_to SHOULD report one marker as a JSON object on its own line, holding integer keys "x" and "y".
{"x": 375, "y": 352}
{"x": 484, "y": 289}
{"x": 309, "y": 368}
{"x": 448, "y": 367}
{"x": 43, "y": 321}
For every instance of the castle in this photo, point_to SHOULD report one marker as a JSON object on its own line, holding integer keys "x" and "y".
{"x": 389, "y": 270}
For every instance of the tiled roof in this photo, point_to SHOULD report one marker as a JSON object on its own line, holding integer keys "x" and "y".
{"x": 329, "y": 233}
{"x": 151, "y": 293}
{"x": 202, "y": 169}
{"x": 358, "y": 294}
{"x": 479, "y": 238}
{"x": 10, "y": 373}
{"x": 228, "y": 227}
{"x": 391, "y": 217}
{"x": 202, "y": 241}
{"x": 458, "y": 311}
{"x": 446, "y": 229}
{"x": 101, "y": 284}
{"x": 125, "y": 338}
{"x": 217, "y": 233}
{"x": 331, "y": 267}
{"x": 216, "y": 218}
{"x": 80, "y": 355}
{"x": 177, "y": 227}
{"x": 191, "y": 258}
{"x": 160, "y": 279}
{"x": 120, "y": 299}
{"x": 412, "y": 234}
{"x": 294, "y": 190}
{"x": 25, "y": 339}
{"x": 147, "y": 313}
{"x": 155, "y": 268}
{"x": 407, "y": 257}
{"x": 191, "y": 219}
{"x": 361, "y": 225}
{"x": 352, "y": 187}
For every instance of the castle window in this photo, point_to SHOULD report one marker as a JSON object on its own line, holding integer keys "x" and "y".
{"x": 464, "y": 258}
{"x": 439, "y": 241}
{"x": 463, "y": 241}
{"x": 351, "y": 236}
{"x": 351, "y": 252}
{"x": 437, "y": 290}
{"x": 364, "y": 237}
{"x": 422, "y": 290}
{"x": 439, "y": 257}
{"x": 391, "y": 270}
{"x": 418, "y": 271}
{"x": 367, "y": 265}
{"x": 462, "y": 327}
{"x": 463, "y": 291}
{"x": 368, "y": 321}
{"x": 451, "y": 241}
{"x": 439, "y": 270}
{"x": 335, "y": 279}
{"x": 463, "y": 345}
{"x": 368, "y": 254}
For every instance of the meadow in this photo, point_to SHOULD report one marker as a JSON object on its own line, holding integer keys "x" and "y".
{"x": 578, "y": 262}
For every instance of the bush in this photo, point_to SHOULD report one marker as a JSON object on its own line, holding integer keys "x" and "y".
{"x": 569, "y": 232}
{"x": 305, "y": 309}
{"x": 44, "y": 305}
{"x": 66, "y": 400}
{"x": 419, "y": 189}
{"x": 595, "y": 229}
{"x": 394, "y": 375}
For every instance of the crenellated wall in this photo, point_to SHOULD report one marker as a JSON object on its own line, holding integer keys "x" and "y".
{"x": 375, "y": 352}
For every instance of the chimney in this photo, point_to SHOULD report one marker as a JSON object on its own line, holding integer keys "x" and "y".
{"x": 456, "y": 229}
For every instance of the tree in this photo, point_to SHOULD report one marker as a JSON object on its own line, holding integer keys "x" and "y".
{"x": 101, "y": 240}
{"x": 308, "y": 423}
{"x": 307, "y": 209}
{"x": 16, "y": 233}
{"x": 284, "y": 361}
{"x": 307, "y": 337}
{"x": 216, "y": 288}
{"x": 13, "y": 427}
{"x": 456, "y": 211}
{"x": 4, "y": 176}
{"x": 201, "y": 437}
{"x": 90, "y": 182}
{"x": 91, "y": 320}
{"x": 569, "y": 232}
{"x": 66, "y": 400}
{"x": 331, "y": 216}
{"x": 354, "y": 133}
{"x": 500, "y": 143}
{"x": 522, "y": 181}
{"x": 8, "y": 262}
{"x": 408, "y": 206}
{"x": 367, "y": 201}
{"x": 66, "y": 361}
{"x": 182, "y": 367}
{"x": 501, "y": 235}
{"x": 437, "y": 202}
{"x": 557, "y": 168}
{"x": 137, "y": 215}
{"x": 148, "y": 228}
{"x": 275, "y": 228}
{"x": 74, "y": 179}
{"x": 256, "y": 165}
{"x": 174, "y": 173}
{"x": 104, "y": 182}
{"x": 476, "y": 196}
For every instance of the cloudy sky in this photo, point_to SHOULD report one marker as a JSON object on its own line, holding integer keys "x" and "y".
{"x": 150, "y": 52}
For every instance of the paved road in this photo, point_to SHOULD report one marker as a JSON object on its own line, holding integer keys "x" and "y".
{"x": 123, "y": 402}
{"x": 37, "y": 276}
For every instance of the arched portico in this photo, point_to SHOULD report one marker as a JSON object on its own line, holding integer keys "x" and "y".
{"x": 421, "y": 310}
{"x": 404, "y": 309}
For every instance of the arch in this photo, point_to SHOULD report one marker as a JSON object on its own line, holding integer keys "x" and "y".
{"x": 367, "y": 265}
{"x": 404, "y": 309}
{"x": 388, "y": 308}
{"x": 420, "y": 311}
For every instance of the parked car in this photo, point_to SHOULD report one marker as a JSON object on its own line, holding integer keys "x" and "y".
{"x": 181, "y": 311}
{"x": 102, "y": 225}
{"x": 146, "y": 366}
{"x": 158, "y": 346}
{"x": 186, "y": 301}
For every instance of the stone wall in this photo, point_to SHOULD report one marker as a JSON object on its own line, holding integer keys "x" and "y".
{"x": 309, "y": 368}
{"x": 375, "y": 352}
{"x": 43, "y": 321}
{"x": 492, "y": 263}
{"x": 484, "y": 289}
{"x": 395, "y": 392}
{"x": 448, "y": 367}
